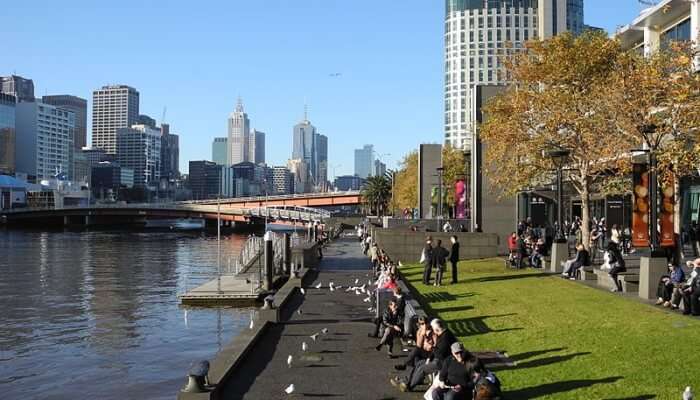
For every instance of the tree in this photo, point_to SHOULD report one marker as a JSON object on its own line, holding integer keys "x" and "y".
{"x": 376, "y": 194}
{"x": 406, "y": 181}
{"x": 557, "y": 101}
{"x": 454, "y": 166}
{"x": 658, "y": 103}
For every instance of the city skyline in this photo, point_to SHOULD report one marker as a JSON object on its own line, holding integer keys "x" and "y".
{"x": 370, "y": 81}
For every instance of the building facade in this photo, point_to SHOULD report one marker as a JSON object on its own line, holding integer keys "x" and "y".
{"x": 321, "y": 162}
{"x": 44, "y": 140}
{"x": 364, "y": 161}
{"x": 300, "y": 172}
{"x": 282, "y": 180}
{"x": 218, "y": 150}
{"x": 113, "y": 108}
{"x": 379, "y": 168}
{"x": 107, "y": 178}
{"x": 146, "y": 120}
{"x": 204, "y": 179}
{"x": 139, "y": 149}
{"x": 238, "y": 136}
{"x": 479, "y": 34}
{"x": 7, "y": 134}
{"x": 169, "y": 156}
{"x": 348, "y": 182}
{"x": 79, "y": 107}
{"x": 21, "y": 88}
{"x": 256, "y": 147}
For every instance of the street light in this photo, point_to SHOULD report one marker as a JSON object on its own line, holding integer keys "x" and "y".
{"x": 559, "y": 157}
{"x": 440, "y": 171}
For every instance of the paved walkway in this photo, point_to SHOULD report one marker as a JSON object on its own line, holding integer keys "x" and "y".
{"x": 341, "y": 364}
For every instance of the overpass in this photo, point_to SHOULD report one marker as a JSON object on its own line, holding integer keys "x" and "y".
{"x": 122, "y": 213}
{"x": 349, "y": 198}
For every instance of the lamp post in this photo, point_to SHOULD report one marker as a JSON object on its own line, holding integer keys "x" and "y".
{"x": 559, "y": 157}
{"x": 439, "y": 207}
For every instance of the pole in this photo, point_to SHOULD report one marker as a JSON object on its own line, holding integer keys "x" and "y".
{"x": 218, "y": 243}
{"x": 439, "y": 200}
{"x": 268, "y": 257}
{"x": 653, "y": 206}
{"x": 560, "y": 227}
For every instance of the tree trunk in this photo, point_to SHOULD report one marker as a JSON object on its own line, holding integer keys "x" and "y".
{"x": 677, "y": 217}
{"x": 585, "y": 215}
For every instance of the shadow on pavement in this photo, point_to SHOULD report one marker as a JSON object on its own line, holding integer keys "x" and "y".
{"x": 557, "y": 387}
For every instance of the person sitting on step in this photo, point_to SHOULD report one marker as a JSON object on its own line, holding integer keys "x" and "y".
{"x": 425, "y": 341}
{"x": 393, "y": 327}
{"x": 582, "y": 260}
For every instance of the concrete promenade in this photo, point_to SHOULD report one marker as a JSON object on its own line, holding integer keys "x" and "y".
{"x": 341, "y": 364}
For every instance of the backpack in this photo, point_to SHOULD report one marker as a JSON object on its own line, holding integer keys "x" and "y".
{"x": 488, "y": 387}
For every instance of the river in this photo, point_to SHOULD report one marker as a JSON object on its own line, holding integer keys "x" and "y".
{"x": 95, "y": 314}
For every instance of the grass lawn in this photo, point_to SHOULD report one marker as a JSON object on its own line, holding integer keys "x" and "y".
{"x": 570, "y": 341}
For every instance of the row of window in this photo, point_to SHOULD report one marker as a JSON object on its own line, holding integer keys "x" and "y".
{"x": 497, "y": 22}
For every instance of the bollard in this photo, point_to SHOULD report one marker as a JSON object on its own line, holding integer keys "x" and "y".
{"x": 197, "y": 378}
{"x": 269, "y": 260}
{"x": 287, "y": 254}
{"x": 268, "y": 303}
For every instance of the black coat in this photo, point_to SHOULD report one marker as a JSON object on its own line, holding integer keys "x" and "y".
{"x": 440, "y": 255}
{"x": 391, "y": 319}
{"x": 454, "y": 252}
{"x": 428, "y": 251}
{"x": 442, "y": 350}
{"x": 455, "y": 373}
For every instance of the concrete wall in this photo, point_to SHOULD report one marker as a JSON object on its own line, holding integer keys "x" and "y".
{"x": 429, "y": 159}
{"x": 423, "y": 224}
{"x": 406, "y": 246}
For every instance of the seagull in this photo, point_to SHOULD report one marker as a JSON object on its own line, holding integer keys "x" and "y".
{"x": 324, "y": 331}
{"x": 289, "y": 361}
{"x": 289, "y": 389}
{"x": 349, "y": 289}
{"x": 314, "y": 336}
{"x": 357, "y": 281}
{"x": 400, "y": 265}
{"x": 252, "y": 324}
{"x": 319, "y": 285}
{"x": 357, "y": 292}
{"x": 687, "y": 393}
{"x": 367, "y": 299}
{"x": 335, "y": 75}
{"x": 302, "y": 291}
{"x": 331, "y": 288}
{"x": 304, "y": 346}
{"x": 363, "y": 287}
{"x": 299, "y": 311}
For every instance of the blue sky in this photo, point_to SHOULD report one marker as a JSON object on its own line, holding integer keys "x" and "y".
{"x": 196, "y": 58}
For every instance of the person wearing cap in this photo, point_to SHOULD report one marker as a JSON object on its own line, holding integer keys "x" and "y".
{"x": 456, "y": 375}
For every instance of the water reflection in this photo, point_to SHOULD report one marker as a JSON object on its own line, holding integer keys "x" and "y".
{"x": 96, "y": 313}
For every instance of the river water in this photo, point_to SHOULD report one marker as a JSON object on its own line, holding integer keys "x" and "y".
{"x": 95, "y": 314}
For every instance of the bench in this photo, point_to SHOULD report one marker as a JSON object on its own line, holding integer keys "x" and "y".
{"x": 586, "y": 274}
{"x": 629, "y": 280}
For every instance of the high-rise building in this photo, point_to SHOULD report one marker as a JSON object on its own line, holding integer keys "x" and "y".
{"x": 44, "y": 140}
{"x": 79, "y": 107}
{"x": 300, "y": 170}
{"x": 303, "y": 146}
{"x": 169, "y": 153}
{"x": 218, "y": 150}
{"x": 146, "y": 120}
{"x": 256, "y": 147}
{"x": 364, "y": 161}
{"x": 205, "y": 179}
{"x": 113, "y": 107}
{"x": 106, "y": 178}
{"x": 21, "y": 88}
{"x": 321, "y": 162}
{"x": 379, "y": 168}
{"x": 348, "y": 182}
{"x": 282, "y": 180}
{"x": 479, "y": 34}
{"x": 238, "y": 136}
{"x": 7, "y": 134}
{"x": 138, "y": 148}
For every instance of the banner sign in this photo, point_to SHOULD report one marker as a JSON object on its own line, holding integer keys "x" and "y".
{"x": 460, "y": 199}
{"x": 667, "y": 215}
{"x": 640, "y": 207}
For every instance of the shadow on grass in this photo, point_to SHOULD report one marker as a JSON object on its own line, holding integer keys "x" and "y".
{"x": 476, "y": 325}
{"x": 557, "y": 387}
{"x": 540, "y": 362}
{"x": 530, "y": 354}
{"x": 438, "y": 297}
{"x": 640, "y": 397}
{"x": 452, "y": 309}
{"x": 505, "y": 277}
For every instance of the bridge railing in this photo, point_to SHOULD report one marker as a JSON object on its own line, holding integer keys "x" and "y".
{"x": 272, "y": 198}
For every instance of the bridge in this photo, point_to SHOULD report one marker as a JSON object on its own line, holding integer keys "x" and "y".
{"x": 348, "y": 198}
{"x": 119, "y": 213}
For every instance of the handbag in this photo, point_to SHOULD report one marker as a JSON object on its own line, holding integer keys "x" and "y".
{"x": 422, "y": 256}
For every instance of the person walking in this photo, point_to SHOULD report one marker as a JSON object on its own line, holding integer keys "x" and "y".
{"x": 427, "y": 259}
{"x": 454, "y": 257}
{"x": 440, "y": 255}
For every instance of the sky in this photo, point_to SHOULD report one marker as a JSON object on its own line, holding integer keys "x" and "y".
{"x": 370, "y": 71}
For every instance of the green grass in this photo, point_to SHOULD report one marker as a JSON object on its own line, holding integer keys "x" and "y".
{"x": 570, "y": 341}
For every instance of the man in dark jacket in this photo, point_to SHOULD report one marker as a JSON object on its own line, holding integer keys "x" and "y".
{"x": 428, "y": 260}
{"x": 454, "y": 257}
{"x": 440, "y": 255}
{"x": 456, "y": 375}
{"x": 441, "y": 352}
{"x": 392, "y": 325}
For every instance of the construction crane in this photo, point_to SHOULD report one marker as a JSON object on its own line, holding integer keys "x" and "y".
{"x": 162, "y": 119}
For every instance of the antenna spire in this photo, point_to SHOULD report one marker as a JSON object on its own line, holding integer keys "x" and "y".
{"x": 239, "y": 105}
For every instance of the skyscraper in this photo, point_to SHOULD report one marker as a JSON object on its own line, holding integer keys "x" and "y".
{"x": 256, "y": 147}
{"x": 303, "y": 146}
{"x": 21, "y": 88}
{"x": 238, "y": 136}
{"x": 7, "y": 134}
{"x": 169, "y": 153}
{"x": 379, "y": 168}
{"x": 312, "y": 148}
{"x": 478, "y": 35}
{"x": 321, "y": 161}
{"x": 218, "y": 150}
{"x": 79, "y": 107}
{"x": 44, "y": 140}
{"x": 282, "y": 180}
{"x": 113, "y": 107}
{"x": 138, "y": 148}
{"x": 364, "y": 161}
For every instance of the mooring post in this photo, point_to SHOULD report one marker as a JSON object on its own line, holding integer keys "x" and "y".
{"x": 287, "y": 254}
{"x": 268, "y": 258}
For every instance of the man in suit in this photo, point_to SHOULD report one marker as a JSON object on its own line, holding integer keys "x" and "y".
{"x": 428, "y": 260}
{"x": 454, "y": 257}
